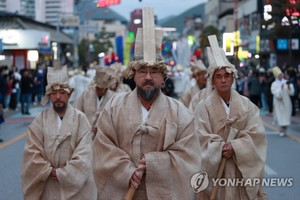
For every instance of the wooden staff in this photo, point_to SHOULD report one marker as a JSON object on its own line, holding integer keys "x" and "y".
{"x": 219, "y": 175}
{"x": 130, "y": 193}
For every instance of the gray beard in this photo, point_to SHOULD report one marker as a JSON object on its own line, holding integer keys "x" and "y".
{"x": 147, "y": 94}
{"x": 60, "y": 109}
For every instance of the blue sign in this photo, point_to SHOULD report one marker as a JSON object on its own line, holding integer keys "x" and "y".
{"x": 282, "y": 44}
{"x": 1, "y": 45}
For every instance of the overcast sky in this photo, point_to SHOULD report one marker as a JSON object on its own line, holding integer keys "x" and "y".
{"x": 162, "y": 8}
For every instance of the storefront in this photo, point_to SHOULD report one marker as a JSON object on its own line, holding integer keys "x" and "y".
{"x": 21, "y": 47}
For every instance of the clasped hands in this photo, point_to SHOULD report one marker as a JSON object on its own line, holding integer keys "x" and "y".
{"x": 227, "y": 150}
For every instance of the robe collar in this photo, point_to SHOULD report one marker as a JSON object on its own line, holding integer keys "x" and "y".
{"x": 155, "y": 118}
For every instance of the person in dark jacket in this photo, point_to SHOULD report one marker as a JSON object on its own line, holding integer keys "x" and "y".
{"x": 26, "y": 91}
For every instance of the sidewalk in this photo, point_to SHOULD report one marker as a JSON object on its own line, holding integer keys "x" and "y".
{"x": 293, "y": 131}
{"x": 15, "y": 125}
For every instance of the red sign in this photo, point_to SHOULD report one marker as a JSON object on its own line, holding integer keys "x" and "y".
{"x": 104, "y": 3}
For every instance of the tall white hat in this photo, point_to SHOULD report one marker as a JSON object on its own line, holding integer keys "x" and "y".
{"x": 57, "y": 78}
{"x": 276, "y": 71}
{"x": 105, "y": 77}
{"x": 217, "y": 60}
{"x": 147, "y": 49}
{"x": 197, "y": 66}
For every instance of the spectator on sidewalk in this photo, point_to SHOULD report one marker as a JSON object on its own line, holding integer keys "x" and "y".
{"x": 263, "y": 86}
{"x": 1, "y": 118}
{"x": 26, "y": 91}
{"x": 3, "y": 86}
{"x": 255, "y": 88}
{"x": 269, "y": 80}
{"x": 15, "y": 96}
{"x": 9, "y": 90}
{"x": 282, "y": 90}
{"x": 292, "y": 78}
{"x": 39, "y": 83}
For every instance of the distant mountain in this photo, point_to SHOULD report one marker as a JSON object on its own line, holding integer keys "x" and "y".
{"x": 178, "y": 21}
{"x": 166, "y": 19}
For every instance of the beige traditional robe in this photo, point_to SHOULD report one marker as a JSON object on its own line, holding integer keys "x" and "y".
{"x": 187, "y": 96}
{"x": 202, "y": 94}
{"x": 88, "y": 101}
{"x": 166, "y": 139}
{"x": 68, "y": 150}
{"x": 122, "y": 87}
{"x": 214, "y": 127}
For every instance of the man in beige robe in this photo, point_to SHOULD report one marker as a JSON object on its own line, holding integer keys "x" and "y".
{"x": 146, "y": 140}
{"x": 229, "y": 126}
{"x": 57, "y": 161}
{"x": 199, "y": 74}
{"x": 199, "y": 96}
{"x": 119, "y": 86}
{"x": 93, "y": 99}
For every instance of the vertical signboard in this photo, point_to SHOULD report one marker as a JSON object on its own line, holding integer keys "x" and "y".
{"x": 1, "y": 45}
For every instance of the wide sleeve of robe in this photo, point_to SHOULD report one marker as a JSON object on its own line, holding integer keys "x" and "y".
{"x": 71, "y": 156}
{"x": 36, "y": 167}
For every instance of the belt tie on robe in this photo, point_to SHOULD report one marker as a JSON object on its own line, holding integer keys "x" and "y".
{"x": 136, "y": 140}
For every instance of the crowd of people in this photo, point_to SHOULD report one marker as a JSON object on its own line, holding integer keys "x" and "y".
{"x": 256, "y": 85}
{"x": 21, "y": 88}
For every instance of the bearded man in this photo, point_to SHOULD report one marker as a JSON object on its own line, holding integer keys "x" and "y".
{"x": 146, "y": 139}
{"x": 58, "y": 152}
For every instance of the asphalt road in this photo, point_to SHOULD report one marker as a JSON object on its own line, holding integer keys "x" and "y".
{"x": 283, "y": 160}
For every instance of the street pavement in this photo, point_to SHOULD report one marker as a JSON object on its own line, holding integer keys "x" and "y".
{"x": 293, "y": 131}
{"x": 282, "y": 155}
{"x": 16, "y": 124}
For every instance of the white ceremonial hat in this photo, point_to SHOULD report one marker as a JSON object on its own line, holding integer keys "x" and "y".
{"x": 57, "y": 78}
{"x": 276, "y": 71}
{"x": 217, "y": 60}
{"x": 147, "y": 48}
{"x": 197, "y": 66}
{"x": 105, "y": 77}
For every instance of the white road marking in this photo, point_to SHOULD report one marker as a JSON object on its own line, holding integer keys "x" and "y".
{"x": 272, "y": 133}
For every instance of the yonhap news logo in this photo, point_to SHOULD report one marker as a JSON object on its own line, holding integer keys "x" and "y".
{"x": 200, "y": 182}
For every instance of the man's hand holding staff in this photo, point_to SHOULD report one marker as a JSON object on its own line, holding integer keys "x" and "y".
{"x": 136, "y": 179}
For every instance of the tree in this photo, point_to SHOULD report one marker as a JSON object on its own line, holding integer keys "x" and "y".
{"x": 88, "y": 50}
{"x": 209, "y": 30}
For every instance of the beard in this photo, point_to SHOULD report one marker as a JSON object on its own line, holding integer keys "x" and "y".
{"x": 148, "y": 94}
{"x": 59, "y": 106}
